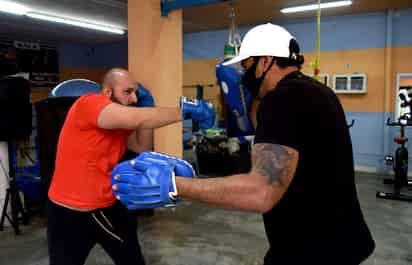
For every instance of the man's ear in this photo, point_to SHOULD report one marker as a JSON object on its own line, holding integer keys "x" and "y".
{"x": 106, "y": 91}
{"x": 267, "y": 60}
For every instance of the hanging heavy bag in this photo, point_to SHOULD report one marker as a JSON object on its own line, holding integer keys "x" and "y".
{"x": 51, "y": 114}
{"x": 15, "y": 109}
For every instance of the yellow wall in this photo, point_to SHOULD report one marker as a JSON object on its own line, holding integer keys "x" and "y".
{"x": 39, "y": 95}
{"x": 201, "y": 72}
{"x": 368, "y": 61}
{"x": 405, "y": 82}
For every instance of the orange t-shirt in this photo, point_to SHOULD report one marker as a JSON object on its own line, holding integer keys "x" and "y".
{"x": 86, "y": 156}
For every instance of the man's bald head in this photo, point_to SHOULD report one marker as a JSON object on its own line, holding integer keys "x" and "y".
{"x": 119, "y": 86}
{"x": 111, "y": 78}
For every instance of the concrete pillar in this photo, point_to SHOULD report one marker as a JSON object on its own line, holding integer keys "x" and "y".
{"x": 156, "y": 60}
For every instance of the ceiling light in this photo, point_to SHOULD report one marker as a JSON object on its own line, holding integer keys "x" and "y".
{"x": 13, "y": 8}
{"x": 74, "y": 22}
{"x": 303, "y": 8}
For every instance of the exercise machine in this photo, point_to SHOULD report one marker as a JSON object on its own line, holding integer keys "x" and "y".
{"x": 12, "y": 197}
{"x": 400, "y": 160}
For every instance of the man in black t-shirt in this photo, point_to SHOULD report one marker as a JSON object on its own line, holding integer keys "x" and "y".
{"x": 302, "y": 176}
{"x": 318, "y": 220}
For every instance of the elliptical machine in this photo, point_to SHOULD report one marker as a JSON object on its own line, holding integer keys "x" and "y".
{"x": 400, "y": 160}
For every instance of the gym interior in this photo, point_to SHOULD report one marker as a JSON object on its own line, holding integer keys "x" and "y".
{"x": 362, "y": 51}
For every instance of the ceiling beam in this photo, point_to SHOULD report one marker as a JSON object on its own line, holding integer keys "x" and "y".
{"x": 170, "y": 5}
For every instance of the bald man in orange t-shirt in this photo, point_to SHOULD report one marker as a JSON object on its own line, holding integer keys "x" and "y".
{"x": 82, "y": 210}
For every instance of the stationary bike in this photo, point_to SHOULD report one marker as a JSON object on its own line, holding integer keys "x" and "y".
{"x": 399, "y": 161}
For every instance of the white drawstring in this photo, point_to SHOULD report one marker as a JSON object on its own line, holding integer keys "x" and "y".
{"x": 105, "y": 229}
{"x": 107, "y": 220}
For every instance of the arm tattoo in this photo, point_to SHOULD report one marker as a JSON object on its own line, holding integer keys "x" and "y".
{"x": 273, "y": 161}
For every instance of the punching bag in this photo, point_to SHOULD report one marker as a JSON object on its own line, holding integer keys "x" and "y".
{"x": 15, "y": 109}
{"x": 51, "y": 114}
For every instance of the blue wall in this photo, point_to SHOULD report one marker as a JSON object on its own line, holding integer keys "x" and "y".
{"x": 204, "y": 45}
{"x": 402, "y": 32}
{"x": 337, "y": 33}
{"x": 111, "y": 55}
{"x": 76, "y": 56}
{"x": 93, "y": 57}
{"x": 368, "y": 140}
{"x": 341, "y": 33}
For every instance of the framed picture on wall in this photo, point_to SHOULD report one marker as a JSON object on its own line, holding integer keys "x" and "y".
{"x": 324, "y": 78}
{"x": 350, "y": 83}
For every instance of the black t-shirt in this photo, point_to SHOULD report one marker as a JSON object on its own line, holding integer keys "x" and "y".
{"x": 319, "y": 220}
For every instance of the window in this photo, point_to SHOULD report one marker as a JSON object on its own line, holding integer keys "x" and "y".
{"x": 404, "y": 86}
{"x": 340, "y": 83}
{"x": 350, "y": 84}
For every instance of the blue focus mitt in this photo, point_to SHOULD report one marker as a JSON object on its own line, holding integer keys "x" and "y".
{"x": 238, "y": 99}
{"x": 148, "y": 181}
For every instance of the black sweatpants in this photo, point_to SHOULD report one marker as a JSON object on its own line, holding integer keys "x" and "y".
{"x": 72, "y": 234}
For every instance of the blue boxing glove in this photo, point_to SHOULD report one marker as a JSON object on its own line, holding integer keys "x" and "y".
{"x": 182, "y": 168}
{"x": 238, "y": 100}
{"x": 198, "y": 110}
{"x": 148, "y": 181}
{"x": 144, "y": 97}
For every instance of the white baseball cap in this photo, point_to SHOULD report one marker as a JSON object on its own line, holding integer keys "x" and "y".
{"x": 264, "y": 40}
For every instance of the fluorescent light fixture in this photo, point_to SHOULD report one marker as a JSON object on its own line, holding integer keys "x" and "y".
{"x": 303, "y": 8}
{"x": 13, "y": 8}
{"x": 74, "y": 22}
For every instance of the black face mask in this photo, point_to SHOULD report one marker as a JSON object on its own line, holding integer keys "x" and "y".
{"x": 252, "y": 82}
